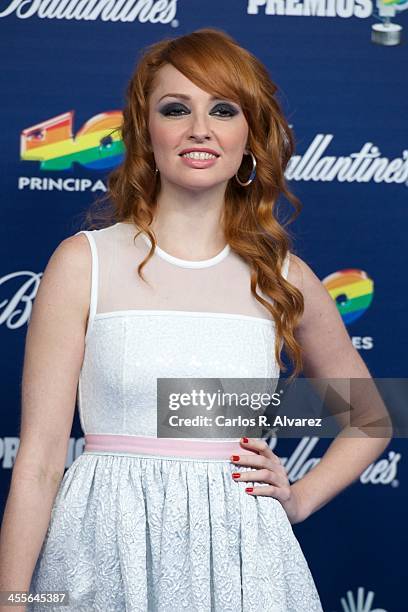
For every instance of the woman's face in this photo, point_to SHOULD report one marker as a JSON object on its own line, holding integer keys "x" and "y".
{"x": 194, "y": 121}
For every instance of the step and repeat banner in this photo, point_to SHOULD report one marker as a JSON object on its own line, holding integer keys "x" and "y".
{"x": 341, "y": 69}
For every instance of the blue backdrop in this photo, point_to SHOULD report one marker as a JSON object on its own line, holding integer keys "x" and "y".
{"x": 64, "y": 76}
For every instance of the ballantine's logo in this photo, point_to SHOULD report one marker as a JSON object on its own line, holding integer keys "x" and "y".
{"x": 162, "y": 11}
{"x": 16, "y": 311}
{"x": 360, "y": 167}
{"x": 383, "y": 471}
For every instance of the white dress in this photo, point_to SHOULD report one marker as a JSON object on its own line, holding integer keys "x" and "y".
{"x": 131, "y": 532}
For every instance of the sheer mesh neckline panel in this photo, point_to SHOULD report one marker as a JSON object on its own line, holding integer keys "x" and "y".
{"x": 187, "y": 263}
{"x": 220, "y": 285}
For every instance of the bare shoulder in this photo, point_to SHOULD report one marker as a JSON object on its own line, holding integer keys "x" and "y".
{"x": 71, "y": 256}
{"x": 66, "y": 279}
{"x": 73, "y": 251}
{"x": 302, "y": 276}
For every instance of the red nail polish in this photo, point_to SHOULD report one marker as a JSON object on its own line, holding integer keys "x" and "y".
{"x": 235, "y": 457}
{"x": 249, "y": 489}
{"x": 245, "y": 440}
{"x": 236, "y": 475}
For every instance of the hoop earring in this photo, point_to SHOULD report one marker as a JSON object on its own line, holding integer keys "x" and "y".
{"x": 252, "y": 175}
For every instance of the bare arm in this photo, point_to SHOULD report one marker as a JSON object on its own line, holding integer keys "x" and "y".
{"x": 328, "y": 353}
{"x": 52, "y": 362}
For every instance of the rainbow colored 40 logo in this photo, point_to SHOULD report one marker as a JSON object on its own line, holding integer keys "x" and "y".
{"x": 97, "y": 145}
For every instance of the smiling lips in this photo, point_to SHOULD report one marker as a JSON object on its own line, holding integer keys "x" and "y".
{"x": 199, "y": 150}
{"x": 204, "y": 160}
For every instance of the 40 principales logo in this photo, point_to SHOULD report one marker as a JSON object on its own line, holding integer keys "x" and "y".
{"x": 360, "y": 602}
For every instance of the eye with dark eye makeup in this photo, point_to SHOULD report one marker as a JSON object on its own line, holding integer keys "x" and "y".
{"x": 169, "y": 109}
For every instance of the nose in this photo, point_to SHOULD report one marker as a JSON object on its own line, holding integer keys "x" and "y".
{"x": 199, "y": 126}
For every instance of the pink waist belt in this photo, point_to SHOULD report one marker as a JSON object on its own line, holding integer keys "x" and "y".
{"x": 173, "y": 447}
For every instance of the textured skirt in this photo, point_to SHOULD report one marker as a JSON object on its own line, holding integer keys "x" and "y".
{"x": 143, "y": 532}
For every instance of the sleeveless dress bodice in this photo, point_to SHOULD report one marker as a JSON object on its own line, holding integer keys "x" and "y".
{"x": 199, "y": 321}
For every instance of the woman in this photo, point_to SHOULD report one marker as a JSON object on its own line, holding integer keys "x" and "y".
{"x": 166, "y": 289}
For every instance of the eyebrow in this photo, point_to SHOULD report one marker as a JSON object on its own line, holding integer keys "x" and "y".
{"x": 184, "y": 96}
